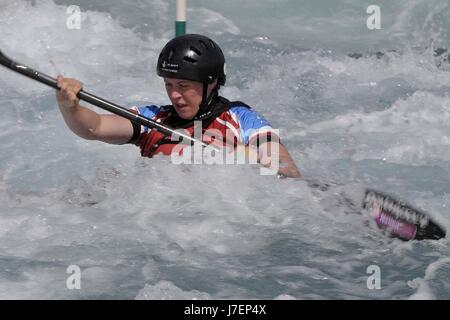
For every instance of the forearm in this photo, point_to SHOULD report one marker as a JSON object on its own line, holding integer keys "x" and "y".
{"x": 81, "y": 120}
{"x": 275, "y": 155}
{"x": 288, "y": 168}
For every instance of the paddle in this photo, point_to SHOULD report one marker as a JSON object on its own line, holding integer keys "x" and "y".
{"x": 394, "y": 217}
{"x": 400, "y": 219}
{"x": 397, "y": 218}
{"x": 97, "y": 101}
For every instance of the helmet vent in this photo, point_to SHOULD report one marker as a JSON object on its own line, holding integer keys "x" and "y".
{"x": 198, "y": 52}
{"x": 171, "y": 53}
{"x": 212, "y": 44}
{"x": 204, "y": 44}
{"x": 189, "y": 59}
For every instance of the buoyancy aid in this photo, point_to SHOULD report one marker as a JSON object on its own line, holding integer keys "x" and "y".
{"x": 154, "y": 142}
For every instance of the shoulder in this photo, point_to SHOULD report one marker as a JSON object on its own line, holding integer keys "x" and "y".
{"x": 248, "y": 118}
{"x": 251, "y": 123}
{"x": 152, "y": 112}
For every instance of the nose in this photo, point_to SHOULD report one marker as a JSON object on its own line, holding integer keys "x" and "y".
{"x": 174, "y": 95}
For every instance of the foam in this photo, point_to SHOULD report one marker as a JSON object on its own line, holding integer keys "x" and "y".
{"x": 148, "y": 229}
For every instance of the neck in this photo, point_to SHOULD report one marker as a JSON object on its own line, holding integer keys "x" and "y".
{"x": 207, "y": 104}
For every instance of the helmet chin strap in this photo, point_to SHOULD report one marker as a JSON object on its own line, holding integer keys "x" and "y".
{"x": 205, "y": 106}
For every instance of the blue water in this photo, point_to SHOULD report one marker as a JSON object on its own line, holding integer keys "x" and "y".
{"x": 148, "y": 229}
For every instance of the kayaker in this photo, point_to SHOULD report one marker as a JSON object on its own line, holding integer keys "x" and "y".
{"x": 193, "y": 69}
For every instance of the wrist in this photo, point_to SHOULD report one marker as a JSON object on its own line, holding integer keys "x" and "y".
{"x": 68, "y": 106}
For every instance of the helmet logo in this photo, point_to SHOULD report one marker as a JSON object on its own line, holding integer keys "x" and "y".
{"x": 170, "y": 67}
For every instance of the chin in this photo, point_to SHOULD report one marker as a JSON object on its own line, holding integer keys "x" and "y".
{"x": 187, "y": 115}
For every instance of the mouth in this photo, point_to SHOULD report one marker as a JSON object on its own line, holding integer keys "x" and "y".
{"x": 180, "y": 106}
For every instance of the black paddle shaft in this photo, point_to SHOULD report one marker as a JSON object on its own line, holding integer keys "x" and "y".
{"x": 97, "y": 101}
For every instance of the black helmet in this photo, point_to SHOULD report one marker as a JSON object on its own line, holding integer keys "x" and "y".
{"x": 192, "y": 57}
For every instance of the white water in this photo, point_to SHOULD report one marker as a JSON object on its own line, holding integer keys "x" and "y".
{"x": 147, "y": 229}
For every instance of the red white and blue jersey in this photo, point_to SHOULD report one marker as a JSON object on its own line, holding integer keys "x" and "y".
{"x": 239, "y": 122}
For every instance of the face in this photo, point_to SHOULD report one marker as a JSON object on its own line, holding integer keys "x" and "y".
{"x": 185, "y": 96}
